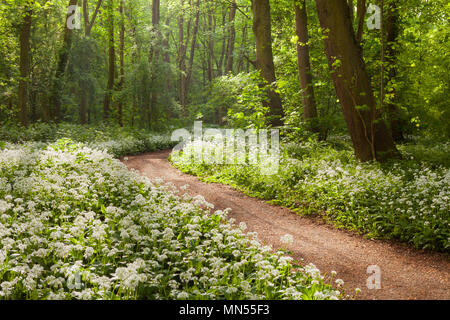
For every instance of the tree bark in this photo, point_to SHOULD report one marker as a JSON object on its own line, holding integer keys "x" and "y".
{"x": 370, "y": 135}
{"x": 63, "y": 57}
{"x": 243, "y": 49}
{"x": 186, "y": 70}
{"x": 182, "y": 62}
{"x": 25, "y": 34}
{"x": 154, "y": 56}
{"x": 392, "y": 32}
{"x": 264, "y": 57}
{"x": 304, "y": 67}
{"x": 224, "y": 46}
{"x": 111, "y": 63}
{"x": 156, "y": 17}
{"x": 122, "y": 60}
{"x": 211, "y": 31}
{"x": 165, "y": 42}
{"x": 166, "y": 55}
{"x": 231, "y": 38}
{"x": 88, "y": 25}
{"x": 193, "y": 45}
{"x": 351, "y": 10}
{"x": 361, "y": 12}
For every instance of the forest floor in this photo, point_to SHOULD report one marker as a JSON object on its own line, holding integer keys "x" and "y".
{"x": 406, "y": 273}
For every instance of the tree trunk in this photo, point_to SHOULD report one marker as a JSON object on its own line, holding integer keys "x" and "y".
{"x": 165, "y": 42}
{"x": 156, "y": 16}
{"x": 361, "y": 12}
{"x": 88, "y": 25}
{"x": 154, "y": 56}
{"x": 243, "y": 49}
{"x": 166, "y": 55}
{"x": 370, "y": 135}
{"x": 122, "y": 60}
{"x": 193, "y": 45}
{"x": 63, "y": 57}
{"x": 83, "y": 104}
{"x": 134, "y": 59}
{"x": 211, "y": 31}
{"x": 186, "y": 70}
{"x": 112, "y": 62}
{"x": 182, "y": 63}
{"x": 231, "y": 39}
{"x": 392, "y": 32}
{"x": 264, "y": 57}
{"x": 224, "y": 46}
{"x": 351, "y": 10}
{"x": 25, "y": 33}
{"x": 304, "y": 67}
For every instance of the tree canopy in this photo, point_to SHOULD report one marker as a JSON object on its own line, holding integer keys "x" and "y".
{"x": 238, "y": 63}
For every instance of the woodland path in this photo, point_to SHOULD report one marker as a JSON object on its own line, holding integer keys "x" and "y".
{"x": 406, "y": 273}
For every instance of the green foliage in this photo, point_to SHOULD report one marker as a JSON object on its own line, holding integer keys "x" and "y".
{"x": 330, "y": 119}
{"x": 407, "y": 200}
{"x": 429, "y": 151}
{"x": 420, "y": 86}
{"x": 424, "y": 85}
{"x": 150, "y": 96}
{"x": 237, "y": 100}
{"x": 116, "y": 140}
{"x": 248, "y": 111}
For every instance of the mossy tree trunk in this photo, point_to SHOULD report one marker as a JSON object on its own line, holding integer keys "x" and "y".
{"x": 370, "y": 136}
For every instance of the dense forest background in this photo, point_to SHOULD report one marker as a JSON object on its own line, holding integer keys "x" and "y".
{"x": 92, "y": 93}
{"x": 153, "y": 64}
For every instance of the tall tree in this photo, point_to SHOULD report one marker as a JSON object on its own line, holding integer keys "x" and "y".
{"x": 186, "y": 69}
{"x": 165, "y": 45}
{"x": 63, "y": 57}
{"x": 84, "y": 86}
{"x": 231, "y": 38}
{"x": 211, "y": 31}
{"x": 219, "y": 62}
{"x": 264, "y": 57}
{"x": 25, "y": 33}
{"x": 88, "y": 24}
{"x": 392, "y": 32}
{"x": 243, "y": 49}
{"x": 193, "y": 46}
{"x": 156, "y": 35}
{"x": 351, "y": 9}
{"x": 304, "y": 66}
{"x": 111, "y": 61}
{"x": 361, "y": 9}
{"x": 121, "y": 60}
{"x": 155, "y": 49}
{"x": 182, "y": 48}
{"x": 370, "y": 135}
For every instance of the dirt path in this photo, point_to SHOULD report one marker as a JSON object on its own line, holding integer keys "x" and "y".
{"x": 405, "y": 273}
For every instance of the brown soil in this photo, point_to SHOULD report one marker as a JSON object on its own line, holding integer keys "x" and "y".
{"x": 406, "y": 273}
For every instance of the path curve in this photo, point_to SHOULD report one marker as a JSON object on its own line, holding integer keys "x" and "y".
{"x": 406, "y": 273}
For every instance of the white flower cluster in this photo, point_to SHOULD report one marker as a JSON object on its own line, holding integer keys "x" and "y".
{"x": 76, "y": 224}
{"x": 408, "y": 200}
{"x": 409, "y": 203}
